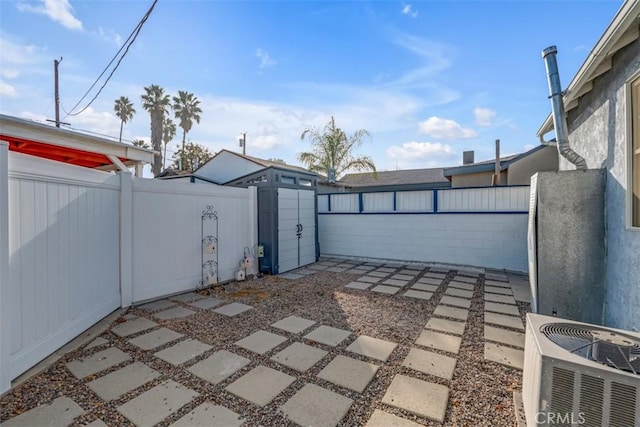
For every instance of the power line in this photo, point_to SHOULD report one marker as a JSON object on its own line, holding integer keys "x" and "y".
{"x": 128, "y": 42}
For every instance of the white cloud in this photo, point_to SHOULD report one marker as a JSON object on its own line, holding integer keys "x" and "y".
{"x": 265, "y": 60}
{"x": 109, "y": 36}
{"x": 484, "y": 116}
{"x": 9, "y": 73}
{"x": 58, "y": 10}
{"x": 407, "y": 9}
{"x": 14, "y": 53}
{"x": 6, "y": 90}
{"x": 421, "y": 154}
{"x": 101, "y": 122}
{"x": 440, "y": 128}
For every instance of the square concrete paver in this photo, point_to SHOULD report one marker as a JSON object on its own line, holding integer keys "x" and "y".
{"x": 133, "y": 326}
{"x": 410, "y": 273}
{"x": 503, "y": 336}
{"x": 210, "y": 415}
{"x": 358, "y": 285}
{"x": 294, "y": 324}
{"x": 328, "y": 335}
{"x": 439, "y": 341}
{"x": 96, "y": 343}
{"x": 455, "y": 313}
{"x": 60, "y": 412}
{"x": 300, "y": 357}
{"x": 382, "y": 289}
{"x": 97, "y": 362}
{"x": 457, "y": 302}
{"x": 503, "y": 320}
{"x": 122, "y": 381}
{"x": 442, "y": 270}
{"x": 504, "y": 299}
{"x": 372, "y": 347}
{"x": 430, "y": 363}
{"x": 419, "y": 397}
{"x": 395, "y": 282}
{"x": 502, "y": 284}
{"x": 219, "y": 366}
{"x": 496, "y": 307}
{"x": 261, "y": 342}
{"x": 377, "y": 274}
{"x": 430, "y": 281}
{"x": 232, "y": 309}
{"x": 369, "y": 279}
{"x": 386, "y": 269}
{"x": 336, "y": 269}
{"x": 206, "y": 303}
{"x": 188, "y": 297}
{"x": 451, "y": 326}
{"x": 349, "y": 373}
{"x": 424, "y": 287}
{"x": 316, "y": 406}
{"x": 162, "y": 304}
{"x": 504, "y": 355}
{"x": 156, "y": 404}
{"x": 411, "y": 293}
{"x": 465, "y": 279}
{"x": 183, "y": 351}
{"x": 317, "y": 267}
{"x": 174, "y": 313}
{"x": 461, "y": 285}
{"x": 404, "y": 277}
{"x": 498, "y": 290}
{"x": 261, "y": 385}
{"x": 435, "y": 275}
{"x": 459, "y": 293}
{"x": 294, "y": 276}
{"x": 155, "y": 339}
{"x": 384, "y": 419}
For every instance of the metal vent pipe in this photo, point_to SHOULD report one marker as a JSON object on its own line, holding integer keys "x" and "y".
{"x": 557, "y": 109}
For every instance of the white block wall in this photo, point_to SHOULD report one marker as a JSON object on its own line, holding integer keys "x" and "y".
{"x": 483, "y": 240}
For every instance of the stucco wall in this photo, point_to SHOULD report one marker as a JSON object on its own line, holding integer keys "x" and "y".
{"x": 481, "y": 179}
{"x": 544, "y": 160}
{"x": 597, "y": 131}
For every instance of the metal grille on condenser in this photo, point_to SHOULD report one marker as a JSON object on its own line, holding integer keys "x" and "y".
{"x": 600, "y": 345}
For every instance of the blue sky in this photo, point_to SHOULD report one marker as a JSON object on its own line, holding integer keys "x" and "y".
{"x": 427, "y": 79}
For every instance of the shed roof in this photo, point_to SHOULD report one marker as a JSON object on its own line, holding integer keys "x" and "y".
{"x": 63, "y": 145}
{"x": 623, "y": 30}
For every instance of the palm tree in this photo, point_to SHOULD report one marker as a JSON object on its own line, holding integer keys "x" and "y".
{"x": 186, "y": 109}
{"x": 331, "y": 150}
{"x": 156, "y": 102}
{"x": 140, "y": 143}
{"x": 124, "y": 110}
{"x": 168, "y": 133}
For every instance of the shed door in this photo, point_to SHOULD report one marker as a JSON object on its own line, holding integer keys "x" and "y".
{"x": 307, "y": 220}
{"x": 296, "y": 228}
{"x": 287, "y": 229}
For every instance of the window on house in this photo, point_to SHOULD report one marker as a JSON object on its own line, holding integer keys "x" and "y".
{"x": 305, "y": 182}
{"x": 635, "y": 152}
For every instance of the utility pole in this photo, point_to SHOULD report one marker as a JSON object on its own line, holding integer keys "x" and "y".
{"x": 57, "y": 93}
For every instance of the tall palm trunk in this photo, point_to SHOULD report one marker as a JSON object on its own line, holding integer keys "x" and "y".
{"x": 156, "y": 142}
{"x": 121, "y": 125}
{"x": 182, "y": 158}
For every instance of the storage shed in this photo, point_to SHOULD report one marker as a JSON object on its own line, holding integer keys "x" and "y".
{"x": 287, "y": 216}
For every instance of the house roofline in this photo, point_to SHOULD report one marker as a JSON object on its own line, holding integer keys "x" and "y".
{"x": 274, "y": 168}
{"x": 489, "y": 165}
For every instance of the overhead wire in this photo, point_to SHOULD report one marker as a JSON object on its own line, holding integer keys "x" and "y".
{"x": 128, "y": 42}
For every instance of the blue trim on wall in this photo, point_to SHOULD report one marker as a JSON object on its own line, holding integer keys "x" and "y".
{"x": 329, "y": 202}
{"x": 428, "y": 189}
{"x": 428, "y": 213}
{"x": 395, "y": 202}
{"x": 435, "y": 201}
{"x": 360, "y": 202}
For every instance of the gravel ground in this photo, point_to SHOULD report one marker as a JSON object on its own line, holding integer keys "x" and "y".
{"x": 480, "y": 391}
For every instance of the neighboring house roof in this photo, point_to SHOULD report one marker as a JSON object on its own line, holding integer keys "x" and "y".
{"x": 489, "y": 165}
{"x": 170, "y": 172}
{"x": 261, "y": 162}
{"x": 623, "y": 30}
{"x": 399, "y": 177}
{"x": 63, "y": 145}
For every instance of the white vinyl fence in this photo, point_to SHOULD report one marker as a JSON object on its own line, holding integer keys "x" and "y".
{"x": 485, "y": 227}
{"x": 76, "y": 244}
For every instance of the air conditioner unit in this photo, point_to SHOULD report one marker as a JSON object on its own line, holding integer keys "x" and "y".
{"x": 580, "y": 374}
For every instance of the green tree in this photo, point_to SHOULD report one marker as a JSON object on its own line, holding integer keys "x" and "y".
{"x": 141, "y": 143}
{"x": 124, "y": 110}
{"x": 331, "y": 148}
{"x": 156, "y": 102}
{"x": 186, "y": 109}
{"x": 168, "y": 133}
{"x": 192, "y": 155}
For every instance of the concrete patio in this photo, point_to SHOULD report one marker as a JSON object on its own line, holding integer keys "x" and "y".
{"x": 164, "y": 362}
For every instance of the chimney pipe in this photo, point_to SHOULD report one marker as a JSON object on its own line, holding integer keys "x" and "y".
{"x": 557, "y": 109}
